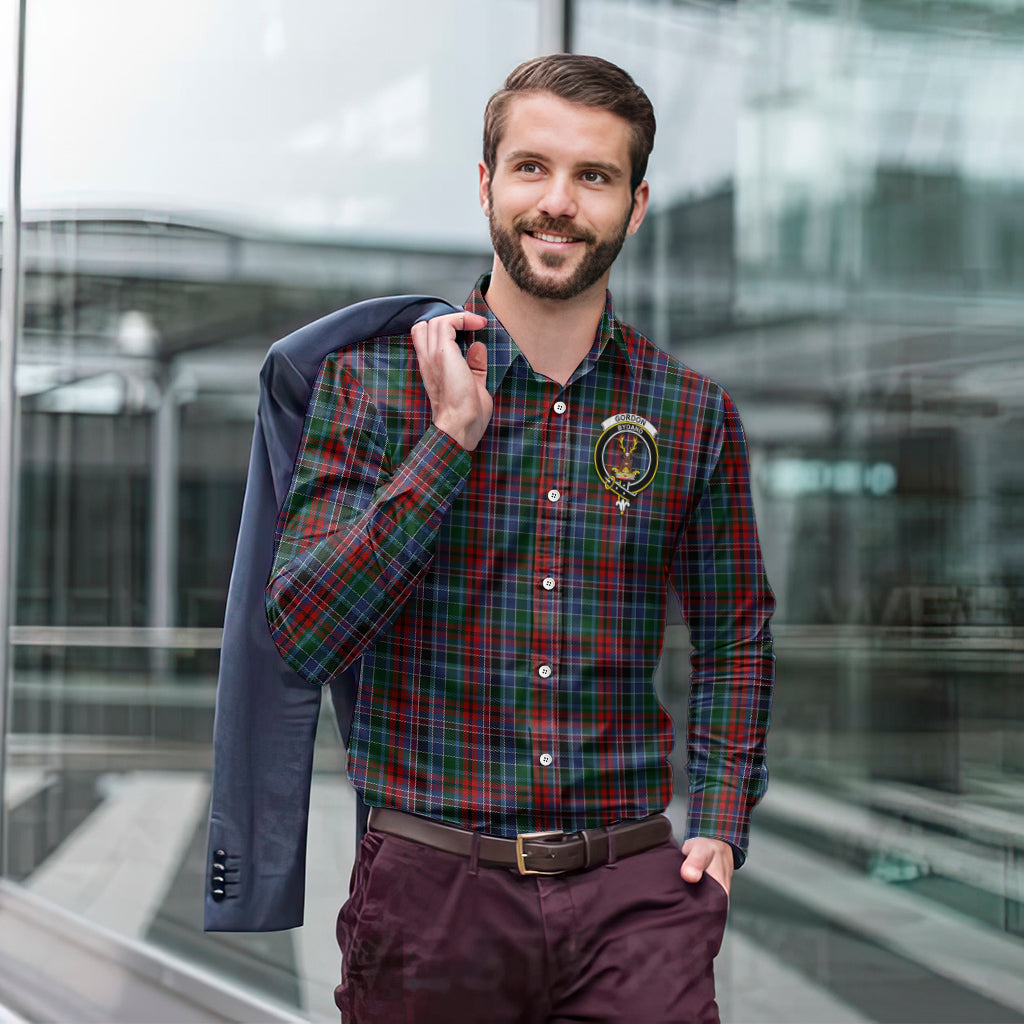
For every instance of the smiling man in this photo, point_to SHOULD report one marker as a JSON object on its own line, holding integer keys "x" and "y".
{"x": 491, "y": 513}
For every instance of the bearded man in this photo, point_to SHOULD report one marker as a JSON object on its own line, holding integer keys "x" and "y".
{"x": 490, "y": 512}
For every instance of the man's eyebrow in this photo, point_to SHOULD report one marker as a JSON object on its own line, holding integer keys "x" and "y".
{"x": 611, "y": 170}
{"x": 522, "y": 154}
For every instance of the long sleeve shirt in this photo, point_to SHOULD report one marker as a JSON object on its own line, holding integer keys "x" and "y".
{"x": 509, "y": 604}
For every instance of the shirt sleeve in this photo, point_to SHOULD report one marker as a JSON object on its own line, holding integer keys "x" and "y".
{"x": 727, "y": 602}
{"x": 355, "y": 534}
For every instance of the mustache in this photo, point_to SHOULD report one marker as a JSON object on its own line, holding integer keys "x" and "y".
{"x": 552, "y": 226}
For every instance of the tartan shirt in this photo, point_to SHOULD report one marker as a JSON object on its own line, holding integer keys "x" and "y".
{"x": 509, "y": 604}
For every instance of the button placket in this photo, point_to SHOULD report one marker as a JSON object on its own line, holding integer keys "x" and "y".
{"x": 546, "y": 642}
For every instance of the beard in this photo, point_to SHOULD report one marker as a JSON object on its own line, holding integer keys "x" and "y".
{"x": 599, "y": 255}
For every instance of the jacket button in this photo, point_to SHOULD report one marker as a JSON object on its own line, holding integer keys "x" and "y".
{"x": 217, "y": 894}
{"x": 217, "y": 880}
{"x": 219, "y": 854}
{"x": 219, "y": 868}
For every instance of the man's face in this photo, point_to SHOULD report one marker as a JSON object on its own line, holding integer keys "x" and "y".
{"x": 559, "y": 203}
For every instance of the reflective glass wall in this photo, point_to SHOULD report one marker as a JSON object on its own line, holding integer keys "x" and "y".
{"x": 199, "y": 180}
{"x": 836, "y": 235}
{"x": 8, "y": 25}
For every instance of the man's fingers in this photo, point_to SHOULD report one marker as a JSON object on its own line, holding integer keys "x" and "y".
{"x": 456, "y": 385}
{"x": 442, "y": 329}
{"x": 463, "y": 320}
{"x": 473, "y": 322}
{"x": 432, "y": 337}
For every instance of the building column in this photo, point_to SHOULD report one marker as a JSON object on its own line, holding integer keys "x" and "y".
{"x": 163, "y": 540}
{"x": 554, "y": 26}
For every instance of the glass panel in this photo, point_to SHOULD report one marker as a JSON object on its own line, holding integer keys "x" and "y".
{"x": 328, "y": 119}
{"x": 836, "y": 235}
{"x": 201, "y": 178}
{"x": 8, "y": 26}
{"x": 8, "y": 56}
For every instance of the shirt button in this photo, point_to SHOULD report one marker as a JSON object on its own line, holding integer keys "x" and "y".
{"x": 554, "y": 495}
{"x": 548, "y": 583}
{"x": 559, "y": 408}
{"x": 545, "y": 759}
{"x": 544, "y": 671}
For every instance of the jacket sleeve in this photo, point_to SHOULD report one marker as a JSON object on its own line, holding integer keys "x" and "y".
{"x": 263, "y": 733}
{"x": 355, "y": 534}
{"x": 726, "y": 602}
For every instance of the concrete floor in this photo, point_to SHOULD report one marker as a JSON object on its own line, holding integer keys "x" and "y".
{"x": 811, "y": 940}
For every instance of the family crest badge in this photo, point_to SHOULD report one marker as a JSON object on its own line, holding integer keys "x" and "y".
{"x": 626, "y": 456}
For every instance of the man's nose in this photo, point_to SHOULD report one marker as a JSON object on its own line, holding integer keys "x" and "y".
{"x": 559, "y": 199}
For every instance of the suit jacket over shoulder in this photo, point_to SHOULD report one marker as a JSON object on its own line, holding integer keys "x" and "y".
{"x": 266, "y": 715}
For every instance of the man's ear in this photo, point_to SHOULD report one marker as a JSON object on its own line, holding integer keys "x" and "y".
{"x": 641, "y": 197}
{"x": 485, "y": 186}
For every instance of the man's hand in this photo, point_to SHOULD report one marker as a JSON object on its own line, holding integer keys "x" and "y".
{"x": 710, "y": 855}
{"x": 456, "y": 385}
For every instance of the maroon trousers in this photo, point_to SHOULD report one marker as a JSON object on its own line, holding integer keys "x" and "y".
{"x": 432, "y": 938}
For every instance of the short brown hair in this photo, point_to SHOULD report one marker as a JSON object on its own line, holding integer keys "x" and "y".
{"x": 577, "y": 78}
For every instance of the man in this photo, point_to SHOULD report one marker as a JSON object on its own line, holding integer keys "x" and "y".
{"x": 490, "y": 513}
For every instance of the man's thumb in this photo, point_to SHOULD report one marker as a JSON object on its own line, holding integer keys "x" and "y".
{"x": 477, "y": 357}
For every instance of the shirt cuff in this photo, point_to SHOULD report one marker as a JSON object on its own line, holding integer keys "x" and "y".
{"x": 721, "y": 814}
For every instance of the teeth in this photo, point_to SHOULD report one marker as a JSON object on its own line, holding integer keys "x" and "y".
{"x": 551, "y": 238}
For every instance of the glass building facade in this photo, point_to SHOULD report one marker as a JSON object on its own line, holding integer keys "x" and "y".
{"x": 836, "y": 234}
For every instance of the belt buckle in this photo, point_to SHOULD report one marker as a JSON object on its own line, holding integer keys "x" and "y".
{"x": 521, "y": 855}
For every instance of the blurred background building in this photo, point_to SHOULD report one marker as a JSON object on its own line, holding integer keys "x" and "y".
{"x": 836, "y": 235}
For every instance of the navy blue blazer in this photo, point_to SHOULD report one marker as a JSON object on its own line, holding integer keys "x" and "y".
{"x": 266, "y": 715}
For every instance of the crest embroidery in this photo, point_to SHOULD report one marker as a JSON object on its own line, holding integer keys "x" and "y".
{"x": 626, "y": 456}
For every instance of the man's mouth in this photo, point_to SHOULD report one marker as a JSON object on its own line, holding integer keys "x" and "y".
{"x": 545, "y": 236}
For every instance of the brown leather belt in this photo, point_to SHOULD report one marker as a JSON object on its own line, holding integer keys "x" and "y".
{"x": 531, "y": 853}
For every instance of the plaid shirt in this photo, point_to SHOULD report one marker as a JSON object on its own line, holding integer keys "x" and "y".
{"x": 509, "y": 604}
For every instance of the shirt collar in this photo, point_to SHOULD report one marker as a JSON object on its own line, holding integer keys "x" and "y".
{"x": 502, "y": 351}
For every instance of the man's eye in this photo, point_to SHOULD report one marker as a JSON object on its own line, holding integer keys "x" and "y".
{"x": 529, "y": 168}
{"x": 593, "y": 177}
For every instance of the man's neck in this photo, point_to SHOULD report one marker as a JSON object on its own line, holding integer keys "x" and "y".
{"x": 555, "y": 335}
